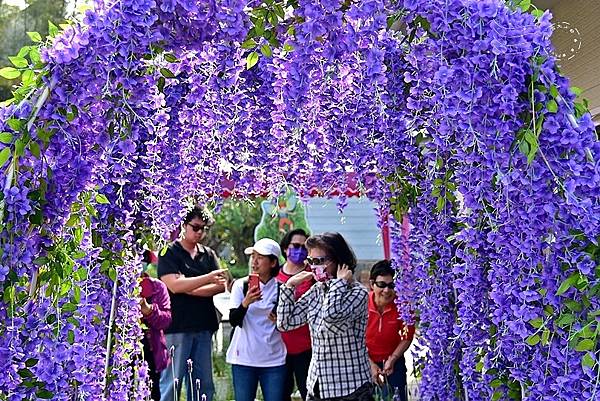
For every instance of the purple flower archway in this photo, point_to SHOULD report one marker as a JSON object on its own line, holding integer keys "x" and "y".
{"x": 451, "y": 111}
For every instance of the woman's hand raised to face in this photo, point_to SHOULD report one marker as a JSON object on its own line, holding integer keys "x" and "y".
{"x": 299, "y": 278}
{"x": 344, "y": 273}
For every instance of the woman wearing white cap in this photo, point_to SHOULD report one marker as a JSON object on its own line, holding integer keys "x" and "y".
{"x": 257, "y": 353}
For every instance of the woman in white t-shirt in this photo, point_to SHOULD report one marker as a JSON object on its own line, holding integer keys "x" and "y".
{"x": 257, "y": 353}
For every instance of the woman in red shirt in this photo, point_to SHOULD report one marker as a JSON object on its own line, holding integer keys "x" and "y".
{"x": 387, "y": 336}
{"x": 297, "y": 341}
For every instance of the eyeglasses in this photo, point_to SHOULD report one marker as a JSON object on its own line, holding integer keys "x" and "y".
{"x": 197, "y": 228}
{"x": 317, "y": 261}
{"x": 296, "y": 245}
{"x": 383, "y": 284}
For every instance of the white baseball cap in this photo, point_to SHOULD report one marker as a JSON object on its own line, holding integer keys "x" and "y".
{"x": 265, "y": 247}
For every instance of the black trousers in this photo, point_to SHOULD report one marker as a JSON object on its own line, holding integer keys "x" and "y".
{"x": 363, "y": 393}
{"x": 154, "y": 375}
{"x": 297, "y": 366}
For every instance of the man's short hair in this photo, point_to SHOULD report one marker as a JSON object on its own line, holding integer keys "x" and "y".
{"x": 202, "y": 213}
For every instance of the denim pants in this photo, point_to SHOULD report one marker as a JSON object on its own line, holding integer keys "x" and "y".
{"x": 246, "y": 379}
{"x": 197, "y": 347}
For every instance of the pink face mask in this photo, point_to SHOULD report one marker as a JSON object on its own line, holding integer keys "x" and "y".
{"x": 320, "y": 272}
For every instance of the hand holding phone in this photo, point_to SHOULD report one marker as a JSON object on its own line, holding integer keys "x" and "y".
{"x": 147, "y": 289}
{"x": 253, "y": 281}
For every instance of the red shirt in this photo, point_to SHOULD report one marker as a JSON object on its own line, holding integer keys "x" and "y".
{"x": 296, "y": 340}
{"x": 385, "y": 331}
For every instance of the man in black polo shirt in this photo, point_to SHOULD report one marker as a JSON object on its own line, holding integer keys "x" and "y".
{"x": 191, "y": 272}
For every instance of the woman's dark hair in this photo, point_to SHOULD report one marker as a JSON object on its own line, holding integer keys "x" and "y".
{"x": 287, "y": 239}
{"x": 336, "y": 248}
{"x": 381, "y": 268}
{"x": 275, "y": 270}
{"x": 202, "y": 213}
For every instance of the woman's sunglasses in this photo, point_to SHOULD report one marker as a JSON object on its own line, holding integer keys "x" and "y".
{"x": 197, "y": 228}
{"x": 316, "y": 261}
{"x": 383, "y": 284}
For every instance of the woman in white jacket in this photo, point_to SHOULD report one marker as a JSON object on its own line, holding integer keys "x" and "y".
{"x": 257, "y": 352}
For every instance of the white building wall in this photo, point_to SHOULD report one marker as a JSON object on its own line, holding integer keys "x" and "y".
{"x": 358, "y": 224}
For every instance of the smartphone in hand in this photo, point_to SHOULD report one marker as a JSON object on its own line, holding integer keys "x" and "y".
{"x": 147, "y": 289}
{"x": 253, "y": 281}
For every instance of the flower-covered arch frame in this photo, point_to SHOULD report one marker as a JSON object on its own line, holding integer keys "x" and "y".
{"x": 450, "y": 111}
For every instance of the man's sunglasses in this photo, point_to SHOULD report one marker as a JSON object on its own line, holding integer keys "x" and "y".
{"x": 296, "y": 245}
{"x": 383, "y": 284}
{"x": 316, "y": 261}
{"x": 197, "y": 228}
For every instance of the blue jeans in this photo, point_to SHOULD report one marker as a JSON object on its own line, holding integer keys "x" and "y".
{"x": 246, "y": 379}
{"x": 197, "y": 347}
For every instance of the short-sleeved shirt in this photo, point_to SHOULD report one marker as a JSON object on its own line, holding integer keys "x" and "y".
{"x": 296, "y": 340}
{"x": 189, "y": 313}
{"x": 257, "y": 342}
{"x": 385, "y": 330}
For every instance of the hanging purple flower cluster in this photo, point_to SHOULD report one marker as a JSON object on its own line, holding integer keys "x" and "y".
{"x": 451, "y": 112}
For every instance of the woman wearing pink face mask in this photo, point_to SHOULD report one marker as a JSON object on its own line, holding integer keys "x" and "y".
{"x": 336, "y": 310}
{"x": 297, "y": 341}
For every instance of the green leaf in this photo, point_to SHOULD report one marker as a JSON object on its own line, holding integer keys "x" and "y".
{"x": 266, "y": 50}
{"x": 588, "y": 361}
{"x": 576, "y": 91}
{"x": 537, "y": 13}
{"x": 497, "y": 395}
{"x": 6, "y": 137}
{"x": 19, "y": 62}
{"x": 554, "y": 91}
{"x": 24, "y": 51}
{"x": 537, "y": 322}
{"x": 9, "y": 73}
{"x": 568, "y": 283}
{"x": 77, "y": 294}
{"x": 533, "y": 339}
{"x": 545, "y": 336}
{"x": 565, "y": 320}
{"x": 573, "y": 305}
{"x": 69, "y": 307}
{"x": 552, "y": 106}
{"x": 249, "y": 44}
{"x": 52, "y": 29}
{"x": 102, "y": 199}
{"x": 251, "y": 60}
{"x": 34, "y": 148}
{"x": 14, "y": 123}
{"x": 496, "y": 383}
{"x": 4, "y": 155}
{"x": 585, "y": 345}
{"x": 35, "y": 36}
{"x": 112, "y": 273}
{"x": 170, "y": 58}
{"x": 525, "y": 5}
{"x": 34, "y": 55}
{"x": 28, "y": 77}
{"x": 40, "y": 261}
{"x": 31, "y": 362}
{"x": 167, "y": 73}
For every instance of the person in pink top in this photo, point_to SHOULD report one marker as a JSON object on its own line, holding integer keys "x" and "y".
{"x": 156, "y": 315}
{"x": 297, "y": 341}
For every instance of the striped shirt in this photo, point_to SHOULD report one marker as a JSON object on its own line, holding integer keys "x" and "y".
{"x": 337, "y": 314}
